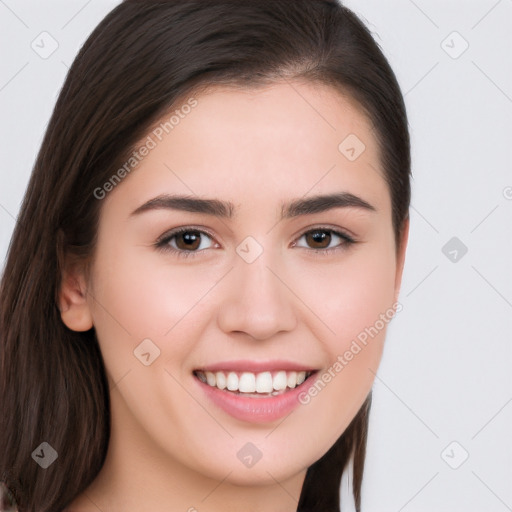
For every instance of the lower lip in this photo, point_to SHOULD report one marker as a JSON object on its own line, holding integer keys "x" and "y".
{"x": 255, "y": 409}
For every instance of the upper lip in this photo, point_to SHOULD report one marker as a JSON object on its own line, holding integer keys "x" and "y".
{"x": 255, "y": 366}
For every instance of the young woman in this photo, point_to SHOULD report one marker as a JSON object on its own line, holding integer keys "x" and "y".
{"x": 195, "y": 299}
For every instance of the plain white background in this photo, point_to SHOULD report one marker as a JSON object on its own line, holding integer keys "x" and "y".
{"x": 442, "y": 411}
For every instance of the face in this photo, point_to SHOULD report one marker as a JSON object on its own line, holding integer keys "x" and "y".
{"x": 254, "y": 292}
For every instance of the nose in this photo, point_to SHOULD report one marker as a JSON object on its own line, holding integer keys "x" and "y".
{"x": 257, "y": 301}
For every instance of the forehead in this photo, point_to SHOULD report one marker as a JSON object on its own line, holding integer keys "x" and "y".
{"x": 286, "y": 139}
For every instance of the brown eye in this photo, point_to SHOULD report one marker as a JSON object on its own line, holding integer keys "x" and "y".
{"x": 185, "y": 242}
{"x": 320, "y": 240}
{"x": 188, "y": 240}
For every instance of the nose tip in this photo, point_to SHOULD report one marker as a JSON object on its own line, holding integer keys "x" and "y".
{"x": 257, "y": 303}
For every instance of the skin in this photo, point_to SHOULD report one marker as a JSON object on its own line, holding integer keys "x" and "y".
{"x": 171, "y": 449}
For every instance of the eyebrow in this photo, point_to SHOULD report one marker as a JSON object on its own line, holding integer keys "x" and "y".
{"x": 226, "y": 209}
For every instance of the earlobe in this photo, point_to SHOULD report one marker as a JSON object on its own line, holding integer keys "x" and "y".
{"x": 73, "y": 305}
{"x": 401, "y": 258}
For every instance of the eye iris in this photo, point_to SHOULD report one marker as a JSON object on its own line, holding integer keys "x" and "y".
{"x": 319, "y": 237}
{"x": 189, "y": 238}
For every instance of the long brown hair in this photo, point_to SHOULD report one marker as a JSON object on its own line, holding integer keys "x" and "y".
{"x": 131, "y": 70}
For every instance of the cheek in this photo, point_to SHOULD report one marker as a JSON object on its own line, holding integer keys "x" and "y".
{"x": 148, "y": 296}
{"x": 137, "y": 297}
{"x": 350, "y": 296}
{"x": 354, "y": 302}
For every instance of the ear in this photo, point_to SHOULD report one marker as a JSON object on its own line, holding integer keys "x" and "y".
{"x": 401, "y": 258}
{"x": 73, "y": 305}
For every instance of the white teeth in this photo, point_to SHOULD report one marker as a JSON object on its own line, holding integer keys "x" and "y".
{"x": 264, "y": 382}
{"x": 210, "y": 378}
{"x": 248, "y": 382}
{"x": 280, "y": 381}
{"x": 232, "y": 382}
{"x": 292, "y": 379}
{"x": 221, "y": 380}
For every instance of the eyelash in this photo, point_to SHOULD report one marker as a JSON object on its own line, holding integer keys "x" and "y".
{"x": 162, "y": 243}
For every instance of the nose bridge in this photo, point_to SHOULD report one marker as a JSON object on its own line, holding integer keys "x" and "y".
{"x": 257, "y": 303}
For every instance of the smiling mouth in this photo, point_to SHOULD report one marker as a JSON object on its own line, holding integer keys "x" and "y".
{"x": 257, "y": 385}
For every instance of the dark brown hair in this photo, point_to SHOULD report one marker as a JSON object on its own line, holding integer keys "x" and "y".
{"x": 143, "y": 57}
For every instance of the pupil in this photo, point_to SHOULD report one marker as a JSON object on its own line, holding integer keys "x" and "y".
{"x": 189, "y": 239}
{"x": 319, "y": 236}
